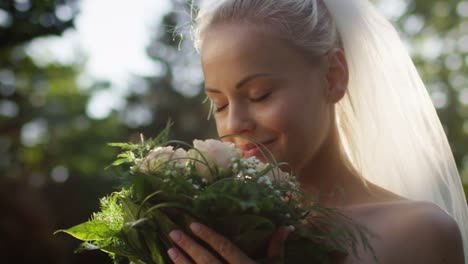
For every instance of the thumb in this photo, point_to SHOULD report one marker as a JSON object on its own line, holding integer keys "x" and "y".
{"x": 276, "y": 246}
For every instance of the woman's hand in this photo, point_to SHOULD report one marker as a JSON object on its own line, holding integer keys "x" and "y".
{"x": 220, "y": 244}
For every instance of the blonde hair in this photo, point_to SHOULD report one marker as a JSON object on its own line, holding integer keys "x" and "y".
{"x": 307, "y": 24}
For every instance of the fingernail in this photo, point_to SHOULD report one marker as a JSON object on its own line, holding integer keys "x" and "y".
{"x": 175, "y": 235}
{"x": 172, "y": 252}
{"x": 196, "y": 227}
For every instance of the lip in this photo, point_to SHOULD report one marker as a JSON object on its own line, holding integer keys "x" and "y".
{"x": 249, "y": 150}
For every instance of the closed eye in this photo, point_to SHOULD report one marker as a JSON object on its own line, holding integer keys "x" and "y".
{"x": 261, "y": 98}
{"x": 220, "y": 109}
{"x": 258, "y": 99}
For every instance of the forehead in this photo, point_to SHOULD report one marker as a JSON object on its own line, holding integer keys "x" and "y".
{"x": 239, "y": 34}
{"x": 240, "y": 48}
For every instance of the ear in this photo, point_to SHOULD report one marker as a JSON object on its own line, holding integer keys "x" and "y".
{"x": 337, "y": 75}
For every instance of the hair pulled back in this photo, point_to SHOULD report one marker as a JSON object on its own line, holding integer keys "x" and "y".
{"x": 306, "y": 24}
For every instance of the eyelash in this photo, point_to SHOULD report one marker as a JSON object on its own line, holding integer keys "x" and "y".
{"x": 261, "y": 98}
{"x": 255, "y": 100}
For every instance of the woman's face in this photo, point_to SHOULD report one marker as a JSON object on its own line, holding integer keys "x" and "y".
{"x": 265, "y": 90}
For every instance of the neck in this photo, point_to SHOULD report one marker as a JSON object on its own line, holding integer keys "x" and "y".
{"x": 329, "y": 179}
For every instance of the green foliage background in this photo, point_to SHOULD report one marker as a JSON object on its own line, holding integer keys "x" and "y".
{"x": 52, "y": 154}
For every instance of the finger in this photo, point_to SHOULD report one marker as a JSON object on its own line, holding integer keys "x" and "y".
{"x": 223, "y": 246}
{"x": 198, "y": 253}
{"x": 177, "y": 257}
{"x": 276, "y": 246}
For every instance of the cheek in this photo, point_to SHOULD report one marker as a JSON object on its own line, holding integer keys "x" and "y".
{"x": 305, "y": 128}
{"x": 273, "y": 116}
{"x": 222, "y": 130}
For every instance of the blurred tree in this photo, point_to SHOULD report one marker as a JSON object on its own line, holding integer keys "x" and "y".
{"x": 177, "y": 91}
{"x": 51, "y": 154}
{"x": 24, "y": 20}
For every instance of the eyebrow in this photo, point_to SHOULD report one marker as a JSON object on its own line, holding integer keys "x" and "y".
{"x": 243, "y": 81}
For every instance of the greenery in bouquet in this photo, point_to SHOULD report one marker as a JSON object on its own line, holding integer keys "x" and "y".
{"x": 167, "y": 188}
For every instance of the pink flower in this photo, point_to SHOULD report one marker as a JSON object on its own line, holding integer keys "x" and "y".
{"x": 159, "y": 155}
{"x": 218, "y": 154}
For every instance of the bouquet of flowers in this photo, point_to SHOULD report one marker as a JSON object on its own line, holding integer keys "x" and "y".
{"x": 245, "y": 200}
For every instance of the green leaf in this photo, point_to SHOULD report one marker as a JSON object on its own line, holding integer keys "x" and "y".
{"x": 165, "y": 224}
{"x": 162, "y": 137}
{"x": 155, "y": 248}
{"x": 120, "y": 251}
{"x": 133, "y": 239}
{"x": 127, "y": 155}
{"x": 121, "y": 145}
{"x": 90, "y": 231}
{"x": 251, "y": 233}
{"x": 121, "y": 161}
{"x": 130, "y": 210}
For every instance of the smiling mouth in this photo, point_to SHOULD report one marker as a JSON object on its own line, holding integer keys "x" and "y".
{"x": 250, "y": 149}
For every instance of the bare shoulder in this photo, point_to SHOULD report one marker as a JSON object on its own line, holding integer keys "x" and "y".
{"x": 432, "y": 234}
{"x": 416, "y": 232}
{"x": 408, "y": 232}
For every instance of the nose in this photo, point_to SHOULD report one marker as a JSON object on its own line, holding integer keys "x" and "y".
{"x": 240, "y": 121}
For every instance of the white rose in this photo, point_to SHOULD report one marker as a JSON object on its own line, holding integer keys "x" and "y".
{"x": 180, "y": 156}
{"x": 160, "y": 153}
{"x": 217, "y": 153}
{"x": 158, "y": 156}
{"x": 200, "y": 166}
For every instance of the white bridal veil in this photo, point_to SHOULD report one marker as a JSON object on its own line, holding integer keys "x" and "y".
{"x": 387, "y": 121}
{"x": 393, "y": 133}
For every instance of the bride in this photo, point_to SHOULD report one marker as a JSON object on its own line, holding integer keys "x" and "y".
{"x": 327, "y": 86}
